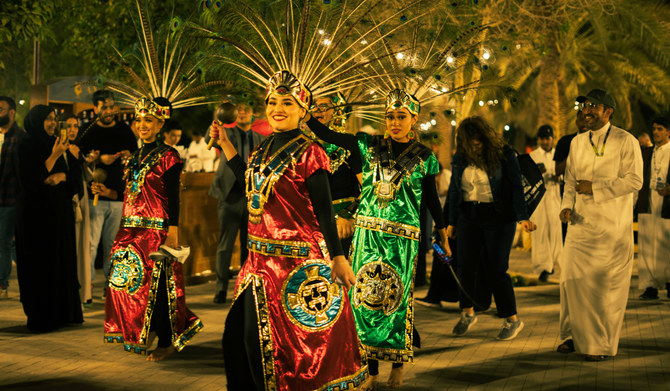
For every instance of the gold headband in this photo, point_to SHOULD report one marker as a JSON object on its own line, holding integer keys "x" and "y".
{"x": 146, "y": 106}
{"x": 398, "y": 99}
{"x": 284, "y": 83}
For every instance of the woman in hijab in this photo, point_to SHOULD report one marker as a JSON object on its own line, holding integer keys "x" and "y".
{"x": 45, "y": 236}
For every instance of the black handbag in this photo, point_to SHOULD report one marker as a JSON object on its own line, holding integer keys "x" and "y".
{"x": 532, "y": 181}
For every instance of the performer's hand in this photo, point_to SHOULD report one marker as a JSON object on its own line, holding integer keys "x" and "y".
{"x": 345, "y": 227}
{"x": 54, "y": 179}
{"x": 565, "y": 215}
{"x": 584, "y": 187}
{"x": 101, "y": 189}
{"x": 109, "y": 159}
{"x": 528, "y": 226}
{"x": 172, "y": 237}
{"x": 451, "y": 232}
{"x": 341, "y": 272}
{"x": 218, "y": 132}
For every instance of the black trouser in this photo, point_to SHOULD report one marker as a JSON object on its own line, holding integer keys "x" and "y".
{"x": 478, "y": 229}
{"x": 160, "y": 319}
{"x": 241, "y": 346}
{"x": 233, "y": 218}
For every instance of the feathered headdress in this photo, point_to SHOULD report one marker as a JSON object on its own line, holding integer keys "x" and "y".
{"x": 308, "y": 52}
{"x": 418, "y": 75}
{"x": 167, "y": 71}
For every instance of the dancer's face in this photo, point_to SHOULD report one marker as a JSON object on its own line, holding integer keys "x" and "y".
{"x": 399, "y": 123}
{"x": 148, "y": 127}
{"x": 283, "y": 112}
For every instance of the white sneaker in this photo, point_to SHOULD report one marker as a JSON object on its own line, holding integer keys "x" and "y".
{"x": 510, "y": 330}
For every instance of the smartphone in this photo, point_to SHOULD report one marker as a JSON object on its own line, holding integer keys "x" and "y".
{"x": 63, "y": 131}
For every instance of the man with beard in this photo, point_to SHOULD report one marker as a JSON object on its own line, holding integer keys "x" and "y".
{"x": 232, "y": 208}
{"x": 603, "y": 172}
{"x": 653, "y": 207}
{"x": 11, "y": 136}
{"x": 109, "y": 143}
{"x": 562, "y": 152}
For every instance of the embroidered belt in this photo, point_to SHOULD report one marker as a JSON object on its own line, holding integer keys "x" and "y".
{"x": 390, "y": 227}
{"x": 144, "y": 222}
{"x": 282, "y": 248}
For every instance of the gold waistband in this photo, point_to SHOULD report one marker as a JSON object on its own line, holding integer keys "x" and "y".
{"x": 279, "y": 248}
{"x": 341, "y": 200}
{"x": 144, "y": 222}
{"x": 390, "y": 227}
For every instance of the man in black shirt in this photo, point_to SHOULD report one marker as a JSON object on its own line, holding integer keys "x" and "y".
{"x": 109, "y": 143}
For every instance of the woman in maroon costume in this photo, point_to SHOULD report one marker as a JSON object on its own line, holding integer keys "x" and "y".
{"x": 291, "y": 325}
{"x": 145, "y": 298}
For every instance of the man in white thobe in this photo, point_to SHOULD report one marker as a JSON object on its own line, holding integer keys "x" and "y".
{"x": 653, "y": 219}
{"x": 603, "y": 173}
{"x": 547, "y": 240}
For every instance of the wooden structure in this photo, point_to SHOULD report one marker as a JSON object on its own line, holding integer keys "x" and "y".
{"x": 199, "y": 227}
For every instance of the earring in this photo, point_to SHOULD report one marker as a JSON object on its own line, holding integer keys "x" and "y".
{"x": 411, "y": 134}
{"x": 387, "y": 134}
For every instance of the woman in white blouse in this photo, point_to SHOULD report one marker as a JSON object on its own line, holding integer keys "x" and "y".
{"x": 485, "y": 203}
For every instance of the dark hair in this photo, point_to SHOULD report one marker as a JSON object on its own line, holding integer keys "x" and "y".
{"x": 171, "y": 125}
{"x": 102, "y": 96}
{"x": 476, "y": 128}
{"x": 66, "y": 116}
{"x": 663, "y": 121}
{"x": 10, "y": 102}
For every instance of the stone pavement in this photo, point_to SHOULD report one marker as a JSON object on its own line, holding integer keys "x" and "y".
{"x": 75, "y": 358}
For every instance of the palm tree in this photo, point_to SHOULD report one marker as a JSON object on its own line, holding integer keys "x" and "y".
{"x": 563, "y": 47}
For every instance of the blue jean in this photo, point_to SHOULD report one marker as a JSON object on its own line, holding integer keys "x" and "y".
{"x": 105, "y": 223}
{"x": 7, "y": 247}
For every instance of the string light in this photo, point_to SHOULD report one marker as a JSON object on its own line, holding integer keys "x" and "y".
{"x": 399, "y": 56}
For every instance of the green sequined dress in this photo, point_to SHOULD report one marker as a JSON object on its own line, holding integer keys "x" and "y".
{"x": 385, "y": 245}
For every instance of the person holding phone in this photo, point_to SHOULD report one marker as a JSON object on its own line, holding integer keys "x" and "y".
{"x": 46, "y": 255}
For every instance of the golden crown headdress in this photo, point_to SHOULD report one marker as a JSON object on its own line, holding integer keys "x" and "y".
{"x": 147, "y": 106}
{"x": 399, "y": 99}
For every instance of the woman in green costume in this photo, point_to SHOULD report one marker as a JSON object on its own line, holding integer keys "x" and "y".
{"x": 398, "y": 175}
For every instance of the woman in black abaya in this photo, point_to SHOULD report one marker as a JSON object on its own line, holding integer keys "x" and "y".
{"x": 45, "y": 235}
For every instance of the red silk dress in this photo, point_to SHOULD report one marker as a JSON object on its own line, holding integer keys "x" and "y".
{"x": 307, "y": 333}
{"x": 134, "y": 277}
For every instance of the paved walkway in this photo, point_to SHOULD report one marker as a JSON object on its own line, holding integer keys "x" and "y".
{"x": 75, "y": 358}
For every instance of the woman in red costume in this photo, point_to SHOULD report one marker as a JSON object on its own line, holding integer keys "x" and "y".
{"x": 145, "y": 298}
{"x": 291, "y": 325}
